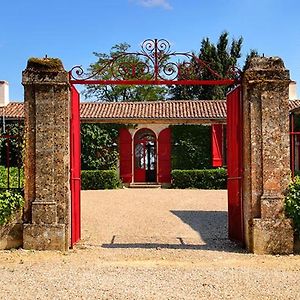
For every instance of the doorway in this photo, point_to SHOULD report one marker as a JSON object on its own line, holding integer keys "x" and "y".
{"x": 145, "y": 157}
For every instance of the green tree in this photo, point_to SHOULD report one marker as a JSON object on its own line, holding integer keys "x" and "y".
{"x": 119, "y": 93}
{"x": 220, "y": 58}
{"x": 99, "y": 146}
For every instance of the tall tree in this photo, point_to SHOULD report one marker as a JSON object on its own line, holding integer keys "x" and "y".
{"x": 220, "y": 58}
{"x": 119, "y": 93}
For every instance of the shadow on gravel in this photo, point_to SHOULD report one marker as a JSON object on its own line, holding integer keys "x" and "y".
{"x": 210, "y": 225}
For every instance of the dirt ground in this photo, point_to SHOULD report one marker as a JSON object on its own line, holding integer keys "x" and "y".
{"x": 150, "y": 244}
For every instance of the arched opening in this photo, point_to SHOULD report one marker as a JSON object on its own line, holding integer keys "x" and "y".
{"x": 145, "y": 157}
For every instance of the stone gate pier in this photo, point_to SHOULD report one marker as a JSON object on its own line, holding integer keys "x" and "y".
{"x": 47, "y": 159}
{"x": 266, "y": 156}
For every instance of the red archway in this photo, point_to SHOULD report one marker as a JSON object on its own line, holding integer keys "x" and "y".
{"x": 158, "y": 65}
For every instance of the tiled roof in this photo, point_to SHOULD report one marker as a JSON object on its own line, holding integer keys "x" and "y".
{"x": 156, "y": 110}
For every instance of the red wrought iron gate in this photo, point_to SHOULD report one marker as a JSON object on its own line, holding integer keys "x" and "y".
{"x": 234, "y": 165}
{"x": 159, "y": 68}
{"x": 75, "y": 162}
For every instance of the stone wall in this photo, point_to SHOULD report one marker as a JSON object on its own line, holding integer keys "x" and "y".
{"x": 266, "y": 156}
{"x": 46, "y": 186}
{"x": 11, "y": 234}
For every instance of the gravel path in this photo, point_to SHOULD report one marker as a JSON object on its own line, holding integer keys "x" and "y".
{"x": 155, "y": 218}
{"x": 147, "y": 263}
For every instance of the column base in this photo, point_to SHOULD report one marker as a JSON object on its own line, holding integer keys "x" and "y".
{"x": 273, "y": 236}
{"x": 44, "y": 237}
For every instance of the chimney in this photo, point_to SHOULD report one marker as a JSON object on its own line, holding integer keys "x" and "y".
{"x": 4, "y": 95}
{"x": 293, "y": 90}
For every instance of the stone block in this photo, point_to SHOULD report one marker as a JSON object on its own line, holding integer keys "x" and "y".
{"x": 272, "y": 206}
{"x": 44, "y": 212}
{"x": 44, "y": 237}
{"x": 11, "y": 236}
{"x": 273, "y": 236}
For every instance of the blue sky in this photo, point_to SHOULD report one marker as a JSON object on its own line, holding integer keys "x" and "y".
{"x": 72, "y": 30}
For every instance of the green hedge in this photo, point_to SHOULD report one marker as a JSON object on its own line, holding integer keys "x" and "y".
{"x": 99, "y": 179}
{"x": 292, "y": 203}
{"x": 200, "y": 179}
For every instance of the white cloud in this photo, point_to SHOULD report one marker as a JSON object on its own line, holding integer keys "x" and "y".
{"x": 155, "y": 3}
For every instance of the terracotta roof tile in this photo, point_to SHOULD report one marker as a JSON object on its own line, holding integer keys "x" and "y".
{"x": 158, "y": 110}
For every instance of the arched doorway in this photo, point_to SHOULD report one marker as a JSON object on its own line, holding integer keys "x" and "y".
{"x": 145, "y": 156}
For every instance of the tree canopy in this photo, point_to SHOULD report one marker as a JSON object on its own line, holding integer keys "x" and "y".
{"x": 120, "y": 93}
{"x": 220, "y": 58}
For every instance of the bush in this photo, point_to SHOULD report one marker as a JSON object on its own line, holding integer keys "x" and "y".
{"x": 191, "y": 147}
{"x": 13, "y": 177}
{"x": 10, "y": 202}
{"x": 200, "y": 179}
{"x": 292, "y": 203}
{"x": 99, "y": 179}
{"x": 99, "y": 149}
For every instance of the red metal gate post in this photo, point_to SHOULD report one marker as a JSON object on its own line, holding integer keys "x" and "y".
{"x": 234, "y": 165}
{"x": 75, "y": 162}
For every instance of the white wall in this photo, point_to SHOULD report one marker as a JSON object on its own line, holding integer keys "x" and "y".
{"x": 4, "y": 93}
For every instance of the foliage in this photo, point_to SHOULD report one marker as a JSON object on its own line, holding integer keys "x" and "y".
{"x": 13, "y": 145}
{"x": 10, "y": 202}
{"x": 220, "y": 58}
{"x": 13, "y": 177}
{"x": 191, "y": 147}
{"x": 99, "y": 146}
{"x": 292, "y": 203}
{"x": 253, "y": 53}
{"x": 99, "y": 179}
{"x": 121, "y": 92}
{"x": 200, "y": 179}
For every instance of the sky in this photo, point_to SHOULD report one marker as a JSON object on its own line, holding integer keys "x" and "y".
{"x": 73, "y": 30}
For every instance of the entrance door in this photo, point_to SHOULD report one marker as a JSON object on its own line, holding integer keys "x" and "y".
{"x": 145, "y": 156}
{"x": 234, "y": 165}
{"x": 75, "y": 162}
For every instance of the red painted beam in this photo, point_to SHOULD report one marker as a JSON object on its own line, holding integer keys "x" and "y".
{"x": 156, "y": 82}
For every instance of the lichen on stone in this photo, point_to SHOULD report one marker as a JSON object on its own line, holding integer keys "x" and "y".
{"x": 45, "y": 64}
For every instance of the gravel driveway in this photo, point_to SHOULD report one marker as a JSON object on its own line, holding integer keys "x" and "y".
{"x": 150, "y": 244}
{"x": 141, "y": 218}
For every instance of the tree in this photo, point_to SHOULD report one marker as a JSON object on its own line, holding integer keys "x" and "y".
{"x": 119, "y": 93}
{"x": 99, "y": 146}
{"x": 220, "y": 58}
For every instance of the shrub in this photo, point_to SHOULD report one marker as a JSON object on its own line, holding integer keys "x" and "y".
{"x": 13, "y": 177}
{"x": 10, "y": 202}
{"x": 292, "y": 203}
{"x": 99, "y": 179}
{"x": 200, "y": 179}
{"x": 191, "y": 147}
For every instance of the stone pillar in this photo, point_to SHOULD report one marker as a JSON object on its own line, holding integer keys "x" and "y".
{"x": 47, "y": 161}
{"x": 266, "y": 156}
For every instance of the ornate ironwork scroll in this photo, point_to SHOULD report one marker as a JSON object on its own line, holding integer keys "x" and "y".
{"x": 155, "y": 63}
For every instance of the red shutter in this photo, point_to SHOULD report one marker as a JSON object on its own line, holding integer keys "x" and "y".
{"x": 164, "y": 156}
{"x": 217, "y": 139}
{"x": 125, "y": 146}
